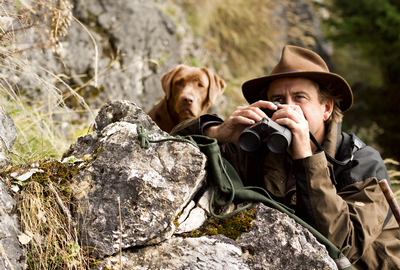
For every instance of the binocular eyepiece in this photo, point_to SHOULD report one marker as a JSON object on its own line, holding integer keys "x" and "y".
{"x": 278, "y": 137}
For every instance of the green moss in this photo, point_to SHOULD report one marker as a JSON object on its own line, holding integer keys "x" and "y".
{"x": 231, "y": 227}
{"x": 68, "y": 152}
{"x": 97, "y": 152}
{"x": 175, "y": 221}
{"x": 58, "y": 172}
{"x": 94, "y": 263}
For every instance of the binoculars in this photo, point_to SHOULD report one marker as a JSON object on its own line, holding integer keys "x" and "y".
{"x": 278, "y": 137}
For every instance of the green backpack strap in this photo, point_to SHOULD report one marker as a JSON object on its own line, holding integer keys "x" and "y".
{"x": 223, "y": 178}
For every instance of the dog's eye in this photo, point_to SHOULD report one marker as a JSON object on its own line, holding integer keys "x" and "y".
{"x": 200, "y": 85}
{"x": 179, "y": 83}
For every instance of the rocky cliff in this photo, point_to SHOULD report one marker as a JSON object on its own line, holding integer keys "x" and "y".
{"x": 120, "y": 49}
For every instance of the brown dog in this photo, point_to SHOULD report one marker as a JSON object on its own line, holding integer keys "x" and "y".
{"x": 189, "y": 92}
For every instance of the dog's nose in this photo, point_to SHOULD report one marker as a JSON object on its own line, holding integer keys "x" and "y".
{"x": 188, "y": 100}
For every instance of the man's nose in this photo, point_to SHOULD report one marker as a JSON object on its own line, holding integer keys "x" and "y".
{"x": 289, "y": 101}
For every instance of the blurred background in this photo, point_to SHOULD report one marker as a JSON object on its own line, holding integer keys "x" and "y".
{"x": 62, "y": 60}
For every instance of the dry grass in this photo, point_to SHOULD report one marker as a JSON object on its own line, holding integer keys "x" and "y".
{"x": 54, "y": 243}
{"x": 44, "y": 200}
{"x": 237, "y": 32}
{"x": 49, "y": 232}
{"x": 25, "y": 26}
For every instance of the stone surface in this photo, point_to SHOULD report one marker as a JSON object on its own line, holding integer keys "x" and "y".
{"x": 197, "y": 217}
{"x": 274, "y": 242}
{"x": 8, "y": 135}
{"x": 277, "y": 242}
{"x": 153, "y": 185}
{"x": 12, "y": 253}
{"x": 217, "y": 252}
{"x": 137, "y": 43}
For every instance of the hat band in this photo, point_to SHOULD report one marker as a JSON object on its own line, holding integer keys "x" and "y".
{"x": 287, "y": 71}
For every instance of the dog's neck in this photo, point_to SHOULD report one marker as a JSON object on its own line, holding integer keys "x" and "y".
{"x": 172, "y": 114}
{"x": 163, "y": 117}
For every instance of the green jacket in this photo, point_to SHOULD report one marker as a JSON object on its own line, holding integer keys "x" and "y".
{"x": 344, "y": 203}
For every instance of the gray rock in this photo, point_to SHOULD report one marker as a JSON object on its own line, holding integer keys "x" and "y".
{"x": 153, "y": 185}
{"x": 124, "y": 111}
{"x": 208, "y": 252}
{"x": 8, "y": 135}
{"x": 136, "y": 43}
{"x": 112, "y": 112}
{"x": 276, "y": 241}
{"x": 12, "y": 254}
{"x": 119, "y": 49}
{"x": 197, "y": 217}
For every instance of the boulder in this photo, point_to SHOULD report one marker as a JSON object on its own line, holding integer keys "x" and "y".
{"x": 128, "y": 195}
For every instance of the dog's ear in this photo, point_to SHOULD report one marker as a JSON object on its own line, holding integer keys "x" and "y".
{"x": 166, "y": 80}
{"x": 216, "y": 87}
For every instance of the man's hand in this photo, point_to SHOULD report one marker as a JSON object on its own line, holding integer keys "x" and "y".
{"x": 242, "y": 116}
{"x": 292, "y": 116}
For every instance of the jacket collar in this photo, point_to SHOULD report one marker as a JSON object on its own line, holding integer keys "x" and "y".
{"x": 333, "y": 137}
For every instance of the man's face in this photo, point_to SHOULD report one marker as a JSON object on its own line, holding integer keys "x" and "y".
{"x": 304, "y": 93}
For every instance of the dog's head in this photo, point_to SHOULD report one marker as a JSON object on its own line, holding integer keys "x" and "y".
{"x": 190, "y": 91}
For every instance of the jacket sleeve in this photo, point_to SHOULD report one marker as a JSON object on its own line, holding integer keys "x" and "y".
{"x": 352, "y": 217}
{"x": 196, "y": 125}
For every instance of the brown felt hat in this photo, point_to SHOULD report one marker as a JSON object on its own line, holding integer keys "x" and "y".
{"x": 297, "y": 62}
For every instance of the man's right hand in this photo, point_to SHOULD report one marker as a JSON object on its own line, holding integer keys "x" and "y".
{"x": 242, "y": 116}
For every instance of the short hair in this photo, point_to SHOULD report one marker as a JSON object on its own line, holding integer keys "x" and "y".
{"x": 326, "y": 92}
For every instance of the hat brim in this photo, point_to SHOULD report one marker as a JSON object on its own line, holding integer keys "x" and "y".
{"x": 253, "y": 89}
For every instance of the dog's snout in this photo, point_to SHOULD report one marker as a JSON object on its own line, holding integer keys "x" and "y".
{"x": 188, "y": 100}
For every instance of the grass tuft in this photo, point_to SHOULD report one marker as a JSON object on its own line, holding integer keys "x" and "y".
{"x": 44, "y": 204}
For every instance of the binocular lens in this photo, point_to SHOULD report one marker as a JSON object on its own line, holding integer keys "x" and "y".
{"x": 249, "y": 141}
{"x": 277, "y": 143}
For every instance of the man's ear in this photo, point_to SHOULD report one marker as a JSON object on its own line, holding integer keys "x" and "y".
{"x": 166, "y": 80}
{"x": 328, "y": 109}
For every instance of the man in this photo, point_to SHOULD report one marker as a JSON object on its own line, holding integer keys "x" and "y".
{"x": 334, "y": 188}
